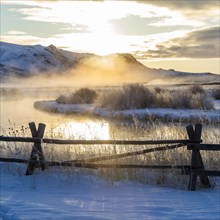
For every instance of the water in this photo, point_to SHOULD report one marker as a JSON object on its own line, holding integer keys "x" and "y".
{"x": 17, "y": 113}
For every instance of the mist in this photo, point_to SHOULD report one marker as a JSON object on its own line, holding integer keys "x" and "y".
{"x": 112, "y": 70}
{"x": 94, "y": 72}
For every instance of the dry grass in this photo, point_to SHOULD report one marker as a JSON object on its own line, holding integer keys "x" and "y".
{"x": 137, "y": 131}
{"x": 133, "y": 96}
{"x": 136, "y": 96}
{"x": 195, "y": 89}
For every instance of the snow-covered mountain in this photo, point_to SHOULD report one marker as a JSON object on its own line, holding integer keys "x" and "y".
{"x": 23, "y": 61}
{"x": 36, "y": 59}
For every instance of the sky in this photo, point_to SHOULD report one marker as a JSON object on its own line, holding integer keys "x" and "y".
{"x": 170, "y": 34}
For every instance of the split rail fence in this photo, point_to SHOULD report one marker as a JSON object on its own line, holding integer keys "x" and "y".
{"x": 194, "y": 143}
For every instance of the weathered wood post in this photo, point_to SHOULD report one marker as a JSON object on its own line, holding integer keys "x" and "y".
{"x": 37, "y": 152}
{"x": 196, "y": 159}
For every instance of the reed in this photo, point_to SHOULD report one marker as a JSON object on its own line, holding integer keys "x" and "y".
{"x": 136, "y": 131}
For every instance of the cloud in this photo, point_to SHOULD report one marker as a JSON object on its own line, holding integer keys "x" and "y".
{"x": 184, "y": 4}
{"x": 203, "y": 43}
{"x": 202, "y": 11}
{"x": 137, "y": 25}
{"x": 22, "y": 38}
{"x": 94, "y": 14}
{"x": 16, "y": 33}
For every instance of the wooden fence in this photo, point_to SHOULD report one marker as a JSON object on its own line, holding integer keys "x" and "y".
{"x": 194, "y": 143}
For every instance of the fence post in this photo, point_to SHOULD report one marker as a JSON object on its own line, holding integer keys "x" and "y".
{"x": 37, "y": 152}
{"x": 196, "y": 159}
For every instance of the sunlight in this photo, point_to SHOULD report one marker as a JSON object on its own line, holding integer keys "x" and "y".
{"x": 89, "y": 130}
{"x": 90, "y": 27}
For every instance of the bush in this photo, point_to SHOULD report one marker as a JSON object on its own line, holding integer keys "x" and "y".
{"x": 110, "y": 100}
{"x": 136, "y": 96}
{"x": 84, "y": 95}
{"x": 186, "y": 100}
{"x": 180, "y": 99}
{"x": 158, "y": 90}
{"x": 195, "y": 89}
{"x": 81, "y": 96}
{"x": 62, "y": 99}
{"x": 132, "y": 96}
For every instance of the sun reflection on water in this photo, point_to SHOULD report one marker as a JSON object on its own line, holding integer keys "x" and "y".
{"x": 88, "y": 130}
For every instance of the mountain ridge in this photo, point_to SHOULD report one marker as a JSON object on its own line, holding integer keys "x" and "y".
{"x": 28, "y": 60}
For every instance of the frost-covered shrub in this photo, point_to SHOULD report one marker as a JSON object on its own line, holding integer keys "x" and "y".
{"x": 158, "y": 90}
{"x": 111, "y": 100}
{"x": 81, "y": 96}
{"x": 202, "y": 101}
{"x": 62, "y": 99}
{"x": 180, "y": 99}
{"x": 132, "y": 96}
{"x": 137, "y": 96}
{"x": 186, "y": 100}
{"x": 163, "y": 99}
{"x": 195, "y": 89}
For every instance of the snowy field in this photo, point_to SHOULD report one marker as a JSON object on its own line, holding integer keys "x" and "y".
{"x": 54, "y": 195}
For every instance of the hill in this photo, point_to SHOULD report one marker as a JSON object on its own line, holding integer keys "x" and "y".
{"x": 25, "y": 61}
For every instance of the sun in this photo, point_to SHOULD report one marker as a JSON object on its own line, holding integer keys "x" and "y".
{"x": 90, "y": 28}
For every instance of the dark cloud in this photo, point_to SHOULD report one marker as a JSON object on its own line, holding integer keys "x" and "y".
{"x": 202, "y": 43}
{"x": 184, "y": 4}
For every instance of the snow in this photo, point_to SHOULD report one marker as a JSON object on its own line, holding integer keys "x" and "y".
{"x": 21, "y": 57}
{"x": 217, "y": 104}
{"x": 34, "y": 59}
{"x": 53, "y": 106}
{"x": 55, "y": 195}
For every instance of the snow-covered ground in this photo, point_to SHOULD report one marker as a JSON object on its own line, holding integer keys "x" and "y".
{"x": 53, "y": 195}
{"x": 217, "y": 104}
{"x": 168, "y": 113}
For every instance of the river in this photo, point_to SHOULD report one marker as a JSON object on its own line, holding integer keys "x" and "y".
{"x": 16, "y": 112}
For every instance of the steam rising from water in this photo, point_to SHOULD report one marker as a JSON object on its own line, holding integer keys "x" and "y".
{"x": 94, "y": 71}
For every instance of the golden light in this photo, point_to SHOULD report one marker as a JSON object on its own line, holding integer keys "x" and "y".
{"x": 88, "y": 130}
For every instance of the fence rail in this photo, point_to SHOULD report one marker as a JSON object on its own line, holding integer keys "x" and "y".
{"x": 95, "y": 142}
{"x": 195, "y": 169}
{"x": 206, "y": 147}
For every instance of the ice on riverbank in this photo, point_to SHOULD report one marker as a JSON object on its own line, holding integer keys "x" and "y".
{"x": 164, "y": 113}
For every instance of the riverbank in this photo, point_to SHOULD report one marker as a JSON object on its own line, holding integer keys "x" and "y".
{"x": 164, "y": 114}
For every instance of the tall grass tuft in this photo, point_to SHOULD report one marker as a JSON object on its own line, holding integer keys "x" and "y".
{"x": 137, "y": 131}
